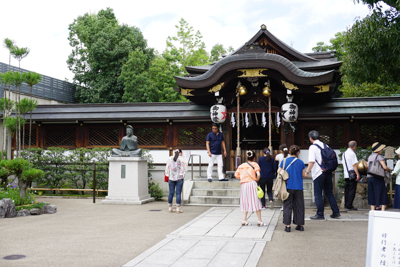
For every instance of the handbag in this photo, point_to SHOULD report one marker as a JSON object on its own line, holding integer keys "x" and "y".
{"x": 260, "y": 192}
{"x": 166, "y": 178}
{"x": 352, "y": 173}
{"x": 283, "y": 172}
{"x": 375, "y": 168}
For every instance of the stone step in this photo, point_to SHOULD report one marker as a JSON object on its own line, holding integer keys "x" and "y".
{"x": 214, "y": 200}
{"x": 217, "y": 185}
{"x": 216, "y": 192}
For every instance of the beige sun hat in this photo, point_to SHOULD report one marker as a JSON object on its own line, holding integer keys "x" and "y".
{"x": 376, "y": 147}
{"x": 397, "y": 151}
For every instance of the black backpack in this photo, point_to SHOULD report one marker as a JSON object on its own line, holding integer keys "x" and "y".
{"x": 329, "y": 159}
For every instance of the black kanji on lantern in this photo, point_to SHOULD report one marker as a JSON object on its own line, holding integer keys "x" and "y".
{"x": 215, "y": 119}
{"x": 214, "y": 113}
{"x": 215, "y": 108}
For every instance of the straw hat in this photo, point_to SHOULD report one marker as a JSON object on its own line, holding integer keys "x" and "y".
{"x": 376, "y": 147}
{"x": 397, "y": 151}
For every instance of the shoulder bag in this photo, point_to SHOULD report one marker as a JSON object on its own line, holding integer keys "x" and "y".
{"x": 260, "y": 192}
{"x": 375, "y": 168}
{"x": 352, "y": 173}
{"x": 283, "y": 172}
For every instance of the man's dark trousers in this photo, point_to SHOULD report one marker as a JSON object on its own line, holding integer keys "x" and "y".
{"x": 324, "y": 182}
{"x": 350, "y": 188}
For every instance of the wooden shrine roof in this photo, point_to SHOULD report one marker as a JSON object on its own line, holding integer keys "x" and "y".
{"x": 146, "y": 112}
{"x": 358, "y": 107}
{"x": 363, "y": 107}
{"x": 264, "y": 59}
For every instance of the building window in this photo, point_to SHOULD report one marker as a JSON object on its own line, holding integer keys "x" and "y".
{"x": 385, "y": 133}
{"x": 60, "y": 137}
{"x": 332, "y": 135}
{"x": 192, "y": 135}
{"x": 150, "y": 136}
{"x": 103, "y": 137}
{"x": 26, "y": 137}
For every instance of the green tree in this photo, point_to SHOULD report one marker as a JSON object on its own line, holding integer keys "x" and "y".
{"x": 375, "y": 3}
{"x": 336, "y": 44}
{"x": 136, "y": 79}
{"x": 187, "y": 47}
{"x": 101, "y": 47}
{"x": 373, "y": 49}
{"x": 31, "y": 78}
{"x": 162, "y": 72}
{"x": 218, "y": 50}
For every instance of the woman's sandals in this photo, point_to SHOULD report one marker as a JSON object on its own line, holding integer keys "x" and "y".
{"x": 245, "y": 223}
{"x": 261, "y": 224}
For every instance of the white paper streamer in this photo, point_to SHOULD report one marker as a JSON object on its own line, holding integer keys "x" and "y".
{"x": 233, "y": 121}
{"x": 264, "y": 120}
{"x": 246, "y": 120}
{"x": 278, "y": 119}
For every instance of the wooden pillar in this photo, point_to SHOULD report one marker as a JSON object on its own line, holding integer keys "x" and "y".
{"x": 227, "y": 131}
{"x": 287, "y": 138}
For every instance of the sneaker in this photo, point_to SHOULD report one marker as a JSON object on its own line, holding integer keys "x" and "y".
{"x": 271, "y": 205}
{"x": 317, "y": 217}
{"x": 210, "y": 180}
{"x": 299, "y": 228}
{"x": 224, "y": 180}
{"x": 263, "y": 208}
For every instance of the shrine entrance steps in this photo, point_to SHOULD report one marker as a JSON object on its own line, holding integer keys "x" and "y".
{"x": 200, "y": 192}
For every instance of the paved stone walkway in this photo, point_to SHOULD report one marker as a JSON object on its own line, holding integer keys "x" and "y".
{"x": 215, "y": 238}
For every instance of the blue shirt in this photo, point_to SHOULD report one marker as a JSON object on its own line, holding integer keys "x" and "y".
{"x": 295, "y": 171}
{"x": 215, "y": 142}
{"x": 268, "y": 168}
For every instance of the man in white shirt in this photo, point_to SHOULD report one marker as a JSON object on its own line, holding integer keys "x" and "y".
{"x": 321, "y": 180}
{"x": 350, "y": 163}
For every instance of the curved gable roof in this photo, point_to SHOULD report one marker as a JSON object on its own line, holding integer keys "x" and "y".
{"x": 286, "y": 48}
{"x": 255, "y": 60}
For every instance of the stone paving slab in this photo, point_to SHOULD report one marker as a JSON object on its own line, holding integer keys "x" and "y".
{"x": 344, "y": 216}
{"x": 215, "y": 238}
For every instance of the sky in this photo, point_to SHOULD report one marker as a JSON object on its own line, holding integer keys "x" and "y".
{"x": 42, "y": 25}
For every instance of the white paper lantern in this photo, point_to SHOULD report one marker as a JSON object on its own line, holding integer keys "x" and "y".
{"x": 290, "y": 112}
{"x": 218, "y": 113}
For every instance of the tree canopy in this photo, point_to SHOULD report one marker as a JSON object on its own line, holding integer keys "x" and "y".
{"x": 373, "y": 49}
{"x": 100, "y": 48}
{"x": 370, "y": 51}
{"x": 337, "y": 44}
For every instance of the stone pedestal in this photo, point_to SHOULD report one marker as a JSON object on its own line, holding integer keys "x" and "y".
{"x": 127, "y": 181}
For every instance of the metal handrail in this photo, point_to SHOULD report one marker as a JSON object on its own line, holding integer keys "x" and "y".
{"x": 191, "y": 158}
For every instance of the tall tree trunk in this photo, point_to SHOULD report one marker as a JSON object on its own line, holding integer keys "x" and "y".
{"x": 22, "y": 188}
{"x": 30, "y": 133}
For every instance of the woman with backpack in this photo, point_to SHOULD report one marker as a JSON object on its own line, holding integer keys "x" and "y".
{"x": 283, "y": 153}
{"x": 295, "y": 202}
{"x": 267, "y": 175}
{"x": 249, "y": 174}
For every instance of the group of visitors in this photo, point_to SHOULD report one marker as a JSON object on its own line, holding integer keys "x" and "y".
{"x": 252, "y": 174}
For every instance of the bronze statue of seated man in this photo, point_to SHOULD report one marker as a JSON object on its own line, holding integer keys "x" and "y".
{"x": 129, "y": 145}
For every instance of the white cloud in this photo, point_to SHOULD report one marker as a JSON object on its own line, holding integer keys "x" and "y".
{"x": 43, "y": 25}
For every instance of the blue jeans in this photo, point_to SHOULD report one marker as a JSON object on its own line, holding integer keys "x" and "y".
{"x": 324, "y": 182}
{"x": 172, "y": 184}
